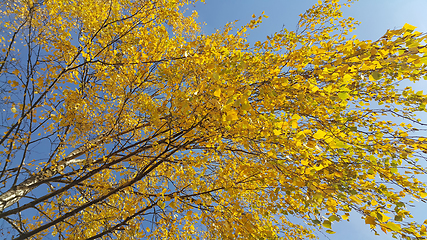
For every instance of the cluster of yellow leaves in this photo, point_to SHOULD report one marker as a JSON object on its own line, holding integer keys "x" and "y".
{"x": 194, "y": 136}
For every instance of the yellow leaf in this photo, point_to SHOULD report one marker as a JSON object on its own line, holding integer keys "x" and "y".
{"x": 327, "y": 224}
{"x": 318, "y": 168}
{"x": 296, "y": 117}
{"x": 382, "y": 218}
{"x": 409, "y": 27}
{"x": 277, "y": 132}
{"x": 347, "y": 78}
{"x": 370, "y": 220}
{"x": 423, "y": 194}
{"x": 294, "y": 124}
{"x": 246, "y": 106}
{"x": 423, "y": 231}
{"x": 319, "y": 134}
{"x": 333, "y": 218}
{"x": 232, "y": 115}
{"x": 393, "y": 226}
{"x": 161, "y": 204}
{"x": 189, "y": 213}
{"x": 311, "y": 144}
{"x": 217, "y": 92}
{"x": 314, "y": 88}
{"x": 345, "y": 217}
{"x": 356, "y": 199}
{"x": 299, "y": 183}
{"x": 343, "y": 95}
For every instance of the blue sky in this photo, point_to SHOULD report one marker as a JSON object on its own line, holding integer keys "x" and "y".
{"x": 376, "y": 16}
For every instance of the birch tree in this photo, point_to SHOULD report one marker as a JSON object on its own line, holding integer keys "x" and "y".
{"x": 120, "y": 120}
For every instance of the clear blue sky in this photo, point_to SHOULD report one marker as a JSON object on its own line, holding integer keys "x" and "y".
{"x": 376, "y": 16}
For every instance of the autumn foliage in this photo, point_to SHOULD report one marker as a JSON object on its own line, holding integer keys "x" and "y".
{"x": 121, "y": 120}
